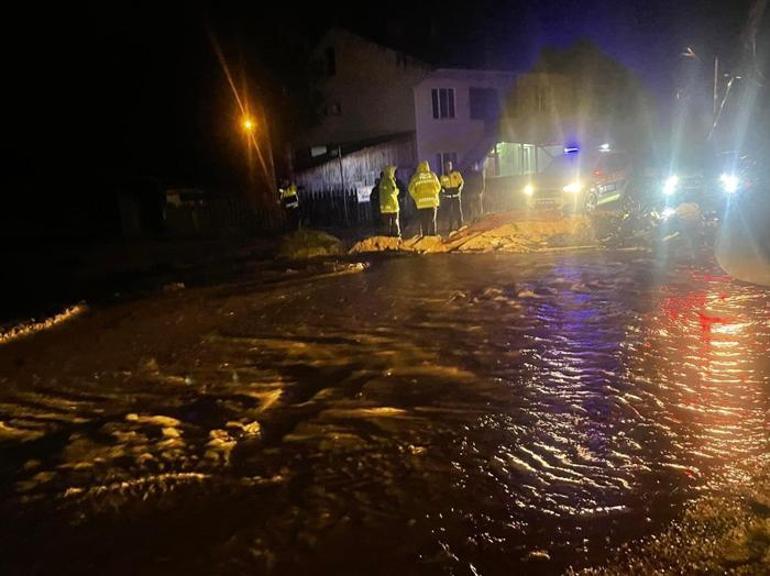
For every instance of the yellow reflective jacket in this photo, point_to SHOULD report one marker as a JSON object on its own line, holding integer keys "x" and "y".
{"x": 452, "y": 184}
{"x": 288, "y": 196}
{"x": 388, "y": 191}
{"x": 424, "y": 187}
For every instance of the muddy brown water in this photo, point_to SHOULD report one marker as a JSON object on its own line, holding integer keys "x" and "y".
{"x": 431, "y": 415}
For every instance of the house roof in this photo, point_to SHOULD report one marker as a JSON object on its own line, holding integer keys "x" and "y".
{"x": 473, "y": 74}
{"x": 351, "y": 147}
{"x": 340, "y": 31}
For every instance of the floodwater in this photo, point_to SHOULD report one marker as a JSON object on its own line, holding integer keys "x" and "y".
{"x": 428, "y": 415}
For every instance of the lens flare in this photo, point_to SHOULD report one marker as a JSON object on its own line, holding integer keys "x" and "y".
{"x": 573, "y": 187}
{"x": 730, "y": 183}
{"x": 671, "y": 184}
{"x": 529, "y": 189}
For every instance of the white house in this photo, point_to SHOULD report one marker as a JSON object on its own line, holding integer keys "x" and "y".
{"x": 375, "y": 97}
{"x": 457, "y": 114}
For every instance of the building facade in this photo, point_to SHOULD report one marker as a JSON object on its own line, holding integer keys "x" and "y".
{"x": 366, "y": 88}
{"x": 384, "y": 107}
{"x": 457, "y": 114}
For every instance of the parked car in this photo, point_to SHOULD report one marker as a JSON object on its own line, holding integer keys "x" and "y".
{"x": 578, "y": 181}
{"x": 615, "y": 176}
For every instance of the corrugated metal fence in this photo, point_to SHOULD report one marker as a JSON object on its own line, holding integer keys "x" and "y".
{"x": 334, "y": 208}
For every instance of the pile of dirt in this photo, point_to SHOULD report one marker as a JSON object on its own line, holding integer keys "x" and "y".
{"x": 305, "y": 244}
{"x": 426, "y": 245}
{"x": 378, "y": 244}
{"x": 499, "y": 233}
{"x": 416, "y": 244}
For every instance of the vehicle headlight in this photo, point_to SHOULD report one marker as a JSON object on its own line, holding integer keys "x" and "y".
{"x": 573, "y": 187}
{"x": 730, "y": 183}
{"x": 529, "y": 189}
{"x": 670, "y": 185}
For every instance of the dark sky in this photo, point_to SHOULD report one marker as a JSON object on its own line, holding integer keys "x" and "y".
{"x": 133, "y": 87}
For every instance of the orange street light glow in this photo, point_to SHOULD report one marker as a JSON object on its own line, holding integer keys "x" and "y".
{"x": 248, "y": 124}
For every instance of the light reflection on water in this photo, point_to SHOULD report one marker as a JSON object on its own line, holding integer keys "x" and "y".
{"x": 437, "y": 414}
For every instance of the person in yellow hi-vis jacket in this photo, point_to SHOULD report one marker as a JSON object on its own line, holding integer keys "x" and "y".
{"x": 388, "y": 199}
{"x": 451, "y": 191}
{"x": 424, "y": 188}
{"x": 289, "y": 199}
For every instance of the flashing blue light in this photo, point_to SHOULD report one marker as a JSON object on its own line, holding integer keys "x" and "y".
{"x": 571, "y": 149}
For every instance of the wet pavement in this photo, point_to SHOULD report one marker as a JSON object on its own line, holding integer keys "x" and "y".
{"x": 455, "y": 414}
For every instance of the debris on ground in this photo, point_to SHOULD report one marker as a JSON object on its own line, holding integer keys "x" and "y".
{"x": 309, "y": 244}
{"x": 11, "y": 333}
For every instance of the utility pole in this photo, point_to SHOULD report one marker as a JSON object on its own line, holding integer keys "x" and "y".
{"x": 716, "y": 87}
{"x": 342, "y": 181}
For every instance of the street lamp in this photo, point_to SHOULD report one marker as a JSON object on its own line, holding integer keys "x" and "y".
{"x": 248, "y": 124}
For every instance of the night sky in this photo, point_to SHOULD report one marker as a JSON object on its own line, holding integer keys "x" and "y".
{"x": 134, "y": 88}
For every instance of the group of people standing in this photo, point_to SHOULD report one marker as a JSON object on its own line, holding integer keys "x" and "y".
{"x": 429, "y": 192}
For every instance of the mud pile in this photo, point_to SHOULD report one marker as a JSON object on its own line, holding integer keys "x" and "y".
{"x": 510, "y": 232}
{"x": 416, "y": 244}
{"x": 309, "y": 244}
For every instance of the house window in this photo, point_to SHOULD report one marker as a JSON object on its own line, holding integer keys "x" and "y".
{"x": 483, "y": 103}
{"x": 331, "y": 61}
{"x": 443, "y": 103}
{"x": 442, "y": 158}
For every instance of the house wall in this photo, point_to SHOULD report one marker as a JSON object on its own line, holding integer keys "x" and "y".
{"x": 461, "y": 135}
{"x": 368, "y": 95}
{"x": 361, "y": 168}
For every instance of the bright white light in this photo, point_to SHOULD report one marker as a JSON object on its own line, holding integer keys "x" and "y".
{"x": 730, "y": 182}
{"x": 604, "y": 147}
{"x": 573, "y": 187}
{"x": 529, "y": 189}
{"x": 668, "y": 213}
{"x": 671, "y": 184}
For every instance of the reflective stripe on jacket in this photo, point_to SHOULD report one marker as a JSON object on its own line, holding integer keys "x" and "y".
{"x": 452, "y": 184}
{"x": 288, "y": 196}
{"x": 424, "y": 187}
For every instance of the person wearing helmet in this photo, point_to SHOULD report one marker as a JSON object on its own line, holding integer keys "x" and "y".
{"x": 451, "y": 191}
{"x": 388, "y": 199}
{"x": 424, "y": 188}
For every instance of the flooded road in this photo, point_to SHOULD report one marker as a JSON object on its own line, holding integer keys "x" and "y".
{"x": 438, "y": 415}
